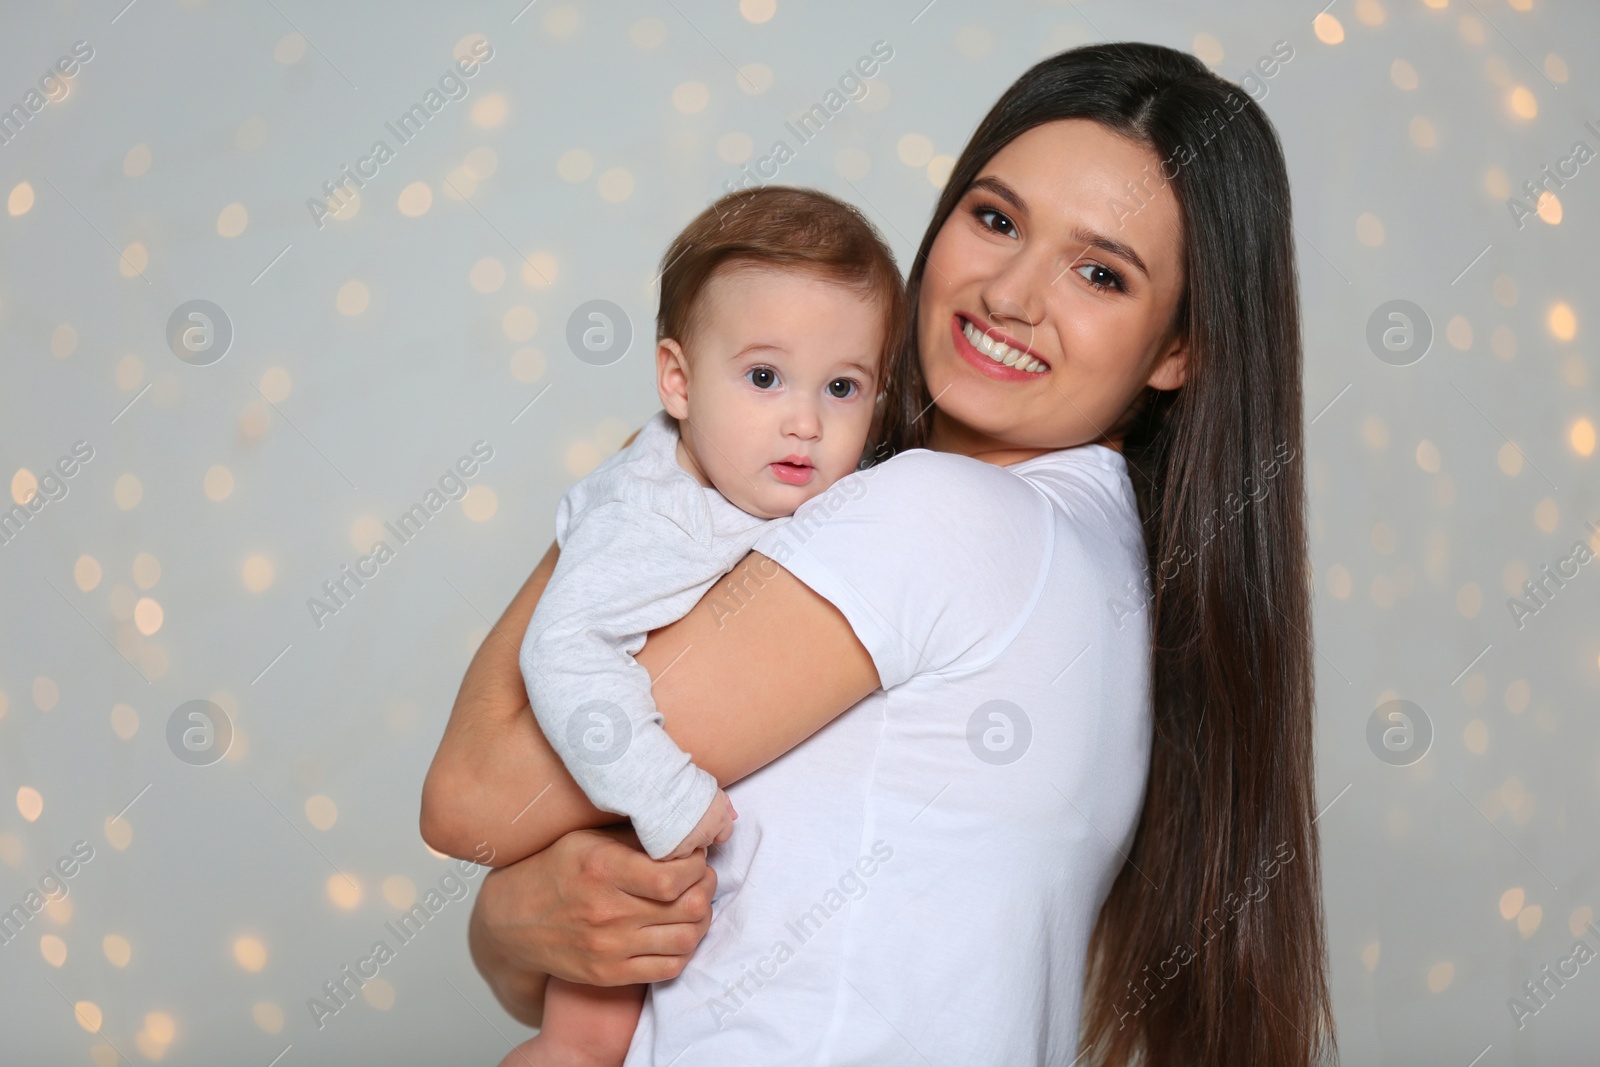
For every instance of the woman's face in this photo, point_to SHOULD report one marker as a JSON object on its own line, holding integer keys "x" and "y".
{"x": 1051, "y": 253}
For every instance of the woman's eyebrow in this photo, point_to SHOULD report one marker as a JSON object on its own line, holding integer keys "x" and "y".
{"x": 1082, "y": 235}
{"x": 1003, "y": 191}
{"x": 1095, "y": 239}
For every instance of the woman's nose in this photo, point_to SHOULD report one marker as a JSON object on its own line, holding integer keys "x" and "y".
{"x": 1019, "y": 327}
{"x": 1015, "y": 296}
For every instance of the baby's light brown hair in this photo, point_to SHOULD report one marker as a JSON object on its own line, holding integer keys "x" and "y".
{"x": 786, "y": 228}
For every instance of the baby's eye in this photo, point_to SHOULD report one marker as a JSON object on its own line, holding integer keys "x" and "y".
{"x": 761, "y": 377}
{"x": 850, "y": 388}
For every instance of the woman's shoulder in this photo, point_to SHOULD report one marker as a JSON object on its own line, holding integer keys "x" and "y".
{"x": 1085, "y": 463}
{"x": 937, "y": 504}
{"x": 1091, "y": 489}
{"x": 931, "y": 557}
{"x": 957, "y": 485}
{"x": 1083, "y": 486}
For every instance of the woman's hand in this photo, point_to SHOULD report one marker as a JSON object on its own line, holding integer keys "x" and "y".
{"x": 592, "y": 908}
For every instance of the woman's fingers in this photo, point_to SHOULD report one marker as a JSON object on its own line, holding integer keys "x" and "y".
{"x": 656, "y": 968}
{"x": 595, "y": 909}
{"x": 692, "y": 909}
{"x": 667, "y": 939}
{"x": 693, "y": 905}
{"x": 653, "y": 940}
{"x": 662, "y": 880}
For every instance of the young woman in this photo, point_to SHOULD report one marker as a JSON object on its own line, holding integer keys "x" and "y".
{"x": 1020, "y": 735}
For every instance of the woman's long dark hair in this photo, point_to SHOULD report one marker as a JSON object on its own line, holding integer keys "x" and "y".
{"x": 1224, "y": 964}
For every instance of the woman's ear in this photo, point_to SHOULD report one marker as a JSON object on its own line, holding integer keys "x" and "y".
{"x": 1172, "y": 369}
{"x": 672, "y": 377}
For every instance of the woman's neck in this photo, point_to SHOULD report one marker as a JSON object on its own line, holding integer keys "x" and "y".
{"x": 948, "y": 435}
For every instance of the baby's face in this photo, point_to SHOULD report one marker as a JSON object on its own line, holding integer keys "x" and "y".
{"x": 781, "y": 383}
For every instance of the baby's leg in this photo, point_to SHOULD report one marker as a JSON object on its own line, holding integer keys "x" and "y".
{"x": 584, "y": 1026}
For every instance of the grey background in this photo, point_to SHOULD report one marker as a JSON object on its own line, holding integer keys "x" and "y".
{"x": 1437, "y": 489}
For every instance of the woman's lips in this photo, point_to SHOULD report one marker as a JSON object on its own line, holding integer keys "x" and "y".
{"x": 793, "y": 473}
{"x": 982, "y": 362}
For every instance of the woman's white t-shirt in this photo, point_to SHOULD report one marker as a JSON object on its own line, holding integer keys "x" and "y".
{"x": 917, "y": 882}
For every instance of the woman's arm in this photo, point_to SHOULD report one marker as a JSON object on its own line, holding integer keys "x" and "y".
{"x": 756, "y": 667}
{"x": 492, "y": 739}
{"x": 739, "y": 681}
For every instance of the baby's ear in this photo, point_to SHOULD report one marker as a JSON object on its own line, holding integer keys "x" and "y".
{"x": 672, "y": 377}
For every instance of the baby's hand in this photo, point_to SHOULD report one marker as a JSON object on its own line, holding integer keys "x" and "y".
{"x": 714, "y": 827}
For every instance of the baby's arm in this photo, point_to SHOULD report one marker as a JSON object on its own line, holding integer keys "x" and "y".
{"x": 714, "y": 827}
{"x": 624, "y": 570}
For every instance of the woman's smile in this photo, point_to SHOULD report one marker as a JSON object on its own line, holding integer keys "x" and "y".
{"x": 994, "y": 358}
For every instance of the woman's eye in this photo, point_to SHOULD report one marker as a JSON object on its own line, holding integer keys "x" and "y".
{"x": 849, "y": 385}
{"x": 981, "y": 213}
{"x": 762, "y": 377}
{"x": 1100, "y": 277}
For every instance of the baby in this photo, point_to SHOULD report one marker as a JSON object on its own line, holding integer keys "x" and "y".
{"x": 779, "y": 307}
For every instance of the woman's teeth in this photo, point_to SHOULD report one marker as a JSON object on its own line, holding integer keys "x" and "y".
{"x": 999, "y": 352}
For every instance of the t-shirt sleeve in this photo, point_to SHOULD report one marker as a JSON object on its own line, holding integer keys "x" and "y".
{"x": 934, "y": 559}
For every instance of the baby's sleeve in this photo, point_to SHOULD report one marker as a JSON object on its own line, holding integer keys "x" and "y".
{"x": 623, "y": 571}
{"x": 934, "y": 559}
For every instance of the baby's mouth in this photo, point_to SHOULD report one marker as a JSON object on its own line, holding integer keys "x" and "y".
{"x": 794, "y": 469}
